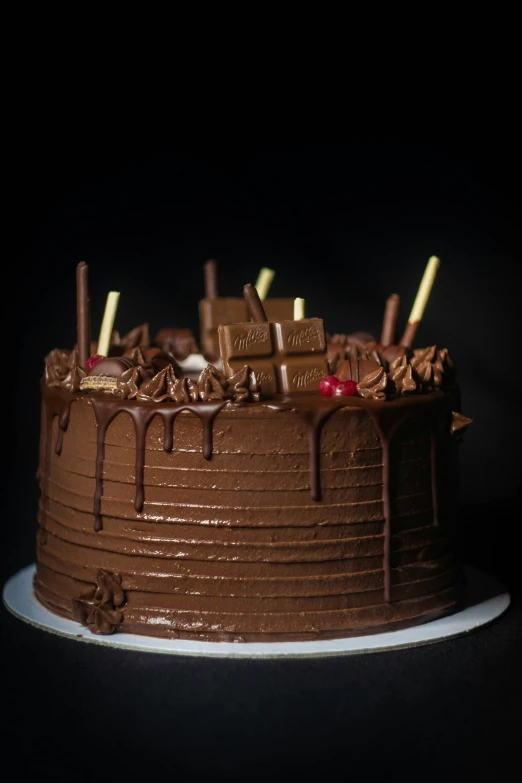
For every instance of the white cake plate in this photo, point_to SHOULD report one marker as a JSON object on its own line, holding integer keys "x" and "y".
{"x": 486, "y": 599}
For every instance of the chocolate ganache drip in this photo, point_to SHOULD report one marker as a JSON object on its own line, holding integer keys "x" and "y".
{"x": 106, "y": 409}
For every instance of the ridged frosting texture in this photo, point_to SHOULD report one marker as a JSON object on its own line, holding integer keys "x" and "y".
{"x": 230, "y": 544}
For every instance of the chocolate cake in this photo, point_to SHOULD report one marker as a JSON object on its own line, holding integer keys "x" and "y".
{"x": 316, "y": 503}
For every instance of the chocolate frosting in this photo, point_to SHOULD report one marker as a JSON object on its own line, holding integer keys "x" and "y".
{"x": 373, "y": 386}
{"x": 236, "y": 548}
{"x": 62, "y": 370}
{"x": 129, "y": 382}
{"x": 210, "y": 385}
{"x": 97, "y": 607}
{"x": 243, "y": 387}
{"x": 160, "y": 387}
{"x": 401, "y": 377}
{"x": 137, "y": 356}
{"x": 138, "y": 337}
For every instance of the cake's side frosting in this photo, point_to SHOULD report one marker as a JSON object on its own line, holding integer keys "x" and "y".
{"x": 290, "y": 519}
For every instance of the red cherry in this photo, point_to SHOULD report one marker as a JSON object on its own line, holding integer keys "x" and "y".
{"x": 328, "y": 385}
{"x": 346, "y": 389}
{"x": 89, "y": 364}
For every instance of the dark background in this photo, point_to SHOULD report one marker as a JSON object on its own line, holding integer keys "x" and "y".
{"x": 343, "y": 226}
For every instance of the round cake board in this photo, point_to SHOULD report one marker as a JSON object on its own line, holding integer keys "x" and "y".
{"x": 486, "y": 599}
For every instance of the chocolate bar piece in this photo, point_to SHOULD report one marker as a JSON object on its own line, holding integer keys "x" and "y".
{"x": 221, "y": 310}
{"x": 286, "y": 356}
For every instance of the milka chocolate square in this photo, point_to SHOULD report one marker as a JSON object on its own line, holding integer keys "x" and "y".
{"x": 245, "y": 340}
{"x": 286, "y": 356}
{"x": 296, "y": 337}
{"x": 301, "y": 373}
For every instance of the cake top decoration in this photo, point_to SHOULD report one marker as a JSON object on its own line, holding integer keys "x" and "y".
{"x": 267, "y": 354}
{"x": 286, "y": 356}
{"x": 215, "y": 310}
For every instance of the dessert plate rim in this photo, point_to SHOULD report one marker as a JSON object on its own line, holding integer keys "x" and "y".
{"x": 486, "y": 599}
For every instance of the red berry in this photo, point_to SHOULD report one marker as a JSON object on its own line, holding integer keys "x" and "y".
{"x": 328, "y": 385}
{"x": 346, "y": 389}
{"x": 89, "y": 364}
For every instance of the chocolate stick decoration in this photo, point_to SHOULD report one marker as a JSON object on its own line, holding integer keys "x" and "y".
{"x": 264, "y": 281}
{"x": 254, "y": 304}
{"x": 211, "y": 286}
{"x": 421, "y": 300}
{"x": 299, "y": 309}
{"x": 111, "y": 306}
{"x": 390, "y": 320}
{"x": 83, "y": 316}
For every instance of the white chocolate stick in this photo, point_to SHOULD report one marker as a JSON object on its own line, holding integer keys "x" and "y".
{"x": 264, "y": 281}
{"x": 299, "y": 309}
{"x": 419, "y": 305}
{"x": 423, "y": 294}
{"x": 109, "y": 315}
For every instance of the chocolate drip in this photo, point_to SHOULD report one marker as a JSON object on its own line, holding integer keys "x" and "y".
{"x": 104, "y": 416}
{"x": 54, "y": 403}
{"x": 315, "y": 420}
{"x": 168, "y": 430}
{"x": 64, "y": 423}
{"x": 387, "y": 417}
{"x": 141, "y": 418}
{"x": 142, "y": 414}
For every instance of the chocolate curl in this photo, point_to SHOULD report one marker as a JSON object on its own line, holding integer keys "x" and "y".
{"x": 390, "y": 320}
{"x": 254, "y": 304}
{"x": 211, "y": 286}
{"x": 421, "y": 300}
{"x": 83, "y": 316}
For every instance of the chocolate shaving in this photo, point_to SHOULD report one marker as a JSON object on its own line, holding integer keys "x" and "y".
{"x": 373, "y": 385}
{"x": 459, "y": 423}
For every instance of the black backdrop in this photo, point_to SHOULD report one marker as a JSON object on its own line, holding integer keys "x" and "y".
{"x": 343, "y": 226}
